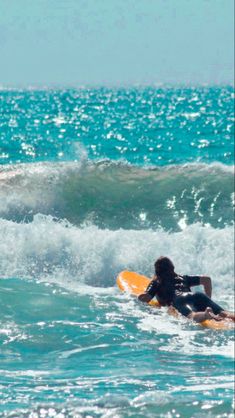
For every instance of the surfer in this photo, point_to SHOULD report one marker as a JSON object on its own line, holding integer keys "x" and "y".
{"x": 172, "y": 289}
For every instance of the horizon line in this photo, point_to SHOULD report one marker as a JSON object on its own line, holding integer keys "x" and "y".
{"x": 84, "y": 86}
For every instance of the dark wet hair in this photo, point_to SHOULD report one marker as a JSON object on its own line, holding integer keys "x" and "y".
{"x": 164, "y": 268}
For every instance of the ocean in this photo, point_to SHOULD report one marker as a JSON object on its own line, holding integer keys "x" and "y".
{"x": 94, "y": 181}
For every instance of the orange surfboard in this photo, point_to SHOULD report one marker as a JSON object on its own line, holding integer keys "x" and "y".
{"x": 135, "y": 284}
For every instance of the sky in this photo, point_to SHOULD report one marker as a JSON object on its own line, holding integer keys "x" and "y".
{"x": 116, "y": 42}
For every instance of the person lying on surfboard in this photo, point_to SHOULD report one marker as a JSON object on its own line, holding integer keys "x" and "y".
{"x": 172, "y": 289}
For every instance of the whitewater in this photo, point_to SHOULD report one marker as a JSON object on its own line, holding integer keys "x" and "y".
{"x": 93, "y": 182}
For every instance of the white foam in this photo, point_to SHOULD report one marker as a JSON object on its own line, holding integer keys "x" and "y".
{"x": 72, "y": 256}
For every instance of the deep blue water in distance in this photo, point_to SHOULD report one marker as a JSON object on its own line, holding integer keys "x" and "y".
{"x": 93, "y": 182}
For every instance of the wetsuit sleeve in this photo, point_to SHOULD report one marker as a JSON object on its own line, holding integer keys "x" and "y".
{"x": 192, "y": 280}
{"x": 152, "y": 288}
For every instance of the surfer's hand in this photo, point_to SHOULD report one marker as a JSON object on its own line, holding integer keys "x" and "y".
{"x": 145, "y": 297}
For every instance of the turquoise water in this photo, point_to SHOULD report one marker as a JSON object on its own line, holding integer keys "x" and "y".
{"x": 92, "y": 182}
{"x": 141, "y": 126}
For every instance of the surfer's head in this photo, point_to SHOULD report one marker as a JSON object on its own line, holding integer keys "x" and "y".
{"x": 164, "y": 267}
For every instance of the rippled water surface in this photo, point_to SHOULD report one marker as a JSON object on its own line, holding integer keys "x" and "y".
{"x": 96, "y": 352}
{"x": 142, "y": 126}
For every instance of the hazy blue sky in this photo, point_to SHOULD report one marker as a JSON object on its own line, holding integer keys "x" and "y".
{"x": 97, "y": 42}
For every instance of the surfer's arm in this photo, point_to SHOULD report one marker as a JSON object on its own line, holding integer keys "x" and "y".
{"x": 150, "y": 292}
{"x": 205, "y": 281}
{"x": 145, "y": 297}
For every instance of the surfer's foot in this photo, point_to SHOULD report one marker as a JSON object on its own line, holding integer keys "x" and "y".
{"x": 209, "y": 314}
{"x": 204, "y": 315}
{"x": 227, "y": 315}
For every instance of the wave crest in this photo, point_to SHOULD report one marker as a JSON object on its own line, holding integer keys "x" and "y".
{"x": 113, "y": 195}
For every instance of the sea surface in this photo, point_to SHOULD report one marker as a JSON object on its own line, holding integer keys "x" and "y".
{"x": 93, "y": 182}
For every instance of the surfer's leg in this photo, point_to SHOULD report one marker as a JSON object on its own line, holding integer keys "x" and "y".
{"x": 187, "y": 306}
{"x": 183, "y": 304}
{"x": 201, "y": 302}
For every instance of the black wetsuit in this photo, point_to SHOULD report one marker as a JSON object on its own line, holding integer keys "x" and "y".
{"x": 177, "y": 292}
